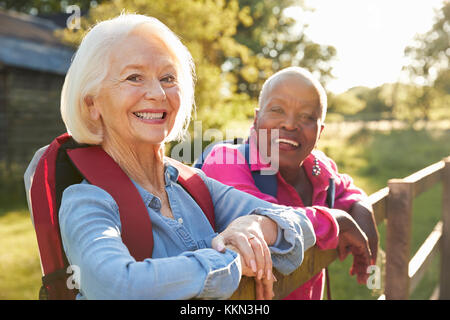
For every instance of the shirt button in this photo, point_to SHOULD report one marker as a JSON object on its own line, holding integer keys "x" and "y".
{"x": 155, "y": 204}
{"x": 180, "y": 220}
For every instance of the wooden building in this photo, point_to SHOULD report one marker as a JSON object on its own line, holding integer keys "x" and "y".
{"x": 33, "y": 63}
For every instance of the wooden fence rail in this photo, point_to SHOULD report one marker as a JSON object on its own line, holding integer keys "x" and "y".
{"x": 393, "y": 205}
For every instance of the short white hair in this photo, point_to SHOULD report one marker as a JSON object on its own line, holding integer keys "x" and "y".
{"x": 304, "y": 74}
{"x": 90, "y": 66}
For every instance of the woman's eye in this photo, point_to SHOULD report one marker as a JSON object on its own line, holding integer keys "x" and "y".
{"x": 307, "y": 118}
{"x": 168, "y": 79}
{"x": 134, "y": 77}
{"x": 276, "y": 109}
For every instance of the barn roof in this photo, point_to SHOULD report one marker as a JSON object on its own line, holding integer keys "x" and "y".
{"x": 28, "y": 42}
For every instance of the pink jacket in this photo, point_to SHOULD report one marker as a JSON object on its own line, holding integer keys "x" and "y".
{"x": 227, "y": 165}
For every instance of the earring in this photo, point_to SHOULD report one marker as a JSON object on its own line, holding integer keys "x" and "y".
{"x": 316, "y": 168}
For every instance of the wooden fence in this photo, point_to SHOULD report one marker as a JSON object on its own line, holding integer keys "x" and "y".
{"x": 392, "y": 205}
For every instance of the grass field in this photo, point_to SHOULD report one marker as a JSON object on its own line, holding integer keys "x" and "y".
{"x": 20, "y": 271}
{"x": 370, "y": 157}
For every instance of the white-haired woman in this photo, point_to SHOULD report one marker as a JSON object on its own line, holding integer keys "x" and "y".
{"x": 130, "y": 90}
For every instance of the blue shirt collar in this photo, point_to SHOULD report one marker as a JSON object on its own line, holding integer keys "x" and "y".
{"x": 170, "y": 175}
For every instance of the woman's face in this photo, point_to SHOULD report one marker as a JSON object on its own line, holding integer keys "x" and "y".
{"x": 291, "y": 104}
{"x": 140, "y": 97}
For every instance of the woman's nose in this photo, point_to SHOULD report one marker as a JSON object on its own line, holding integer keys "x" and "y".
{"x": 154, "y": 91}
{"x": 289, "y": 123}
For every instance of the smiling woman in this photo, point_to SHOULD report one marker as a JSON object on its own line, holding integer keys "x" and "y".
{"x": 288, "y": 123}
{"x": 289, "y": 100}
{"x": 137, "y": 101}
{"x": 104, "y": 46}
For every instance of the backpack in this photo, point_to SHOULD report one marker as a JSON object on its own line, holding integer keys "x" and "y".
{"x": 66, "y": 162}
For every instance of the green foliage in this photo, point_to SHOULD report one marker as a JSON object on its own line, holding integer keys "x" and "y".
{"x": 426, "y": 94}
{"x": 430, "y": 53}
{"x": 276, "y": 41}
{"x": 236, "y": 45}
{"x": 346, "y": 103}
{"x": 406, "y": 102}
{"x": 207, "y": 28}
{"x": 429, "y": 61}
{"x": 45, "y": 6}
{"x": 363, "y": 102}
{"x": 442, "y": 81}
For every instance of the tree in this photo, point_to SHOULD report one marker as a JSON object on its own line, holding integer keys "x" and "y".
{"x": 236, "y": 44}
{"x": 206, "y": 27}
{"x": 45, "y": 6}
{"x": 275, "y": 44}
{"x": 429, "y": 57}
{"x": 346, "y": 103}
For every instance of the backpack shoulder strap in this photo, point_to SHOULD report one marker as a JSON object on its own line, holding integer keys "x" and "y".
{"x": 196, "y": 187}
{"x": 101, "y": 170}
{"x": 266, "y": 183}
{"x": 44, "y": 209}
{"x": 198, "y": 163}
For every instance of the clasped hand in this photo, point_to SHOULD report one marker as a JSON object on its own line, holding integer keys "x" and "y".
{"x": 353, "y": 240}
{"x": 250, "y": 236}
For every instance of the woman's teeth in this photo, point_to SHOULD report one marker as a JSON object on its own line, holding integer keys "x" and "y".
{"x": 149, "y": 115}
{"x": 291, "y": 142}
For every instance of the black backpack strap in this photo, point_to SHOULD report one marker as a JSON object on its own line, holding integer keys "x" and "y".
{"x": 266, "y": 183}
{"x": 199, "y": 162}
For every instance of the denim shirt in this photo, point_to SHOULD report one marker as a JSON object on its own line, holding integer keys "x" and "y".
{"x": 183, "y": 264}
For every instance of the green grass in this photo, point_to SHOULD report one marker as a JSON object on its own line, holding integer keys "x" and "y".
{"x": 371, "y": 158}
{"x": 20, "y": 271}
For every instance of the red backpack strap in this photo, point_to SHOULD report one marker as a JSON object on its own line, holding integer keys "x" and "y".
{"x": 196, "y": 187}
{"x": 45, "y": 215}
{"x": 101, "y": 170}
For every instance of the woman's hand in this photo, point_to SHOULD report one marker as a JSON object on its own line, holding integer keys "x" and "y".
{"x": 250, "y": 236}
{"x": 353, "y": 240}
{"x": 363, "y": 215}
{"x": 263, "y": 286}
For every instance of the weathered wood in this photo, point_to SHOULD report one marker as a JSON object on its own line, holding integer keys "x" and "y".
{"x": 444, "y": 285}
{"x": 314, "y": 261}
{"x": 424, "y": 179}
{"x": 422, "y": 259}
{"x": 398, "y": 238}
{"x": 378, "y": 201}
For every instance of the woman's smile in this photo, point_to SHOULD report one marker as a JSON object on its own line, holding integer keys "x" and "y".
{"x": 151, "y": 116}
{"x": 287, "y": 144}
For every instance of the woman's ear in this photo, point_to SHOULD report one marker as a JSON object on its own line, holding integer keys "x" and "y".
{"x": 93, "y": 111}
{"x": 255, "y": 118}
{"x": 322, "y": 126}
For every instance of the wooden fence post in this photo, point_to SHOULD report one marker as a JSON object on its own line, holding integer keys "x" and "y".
{"x": 444, "y": 286}
{"x": 398, "y": 238}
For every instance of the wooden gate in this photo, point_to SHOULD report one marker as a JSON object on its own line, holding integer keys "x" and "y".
{"x": 393, "y": 205}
